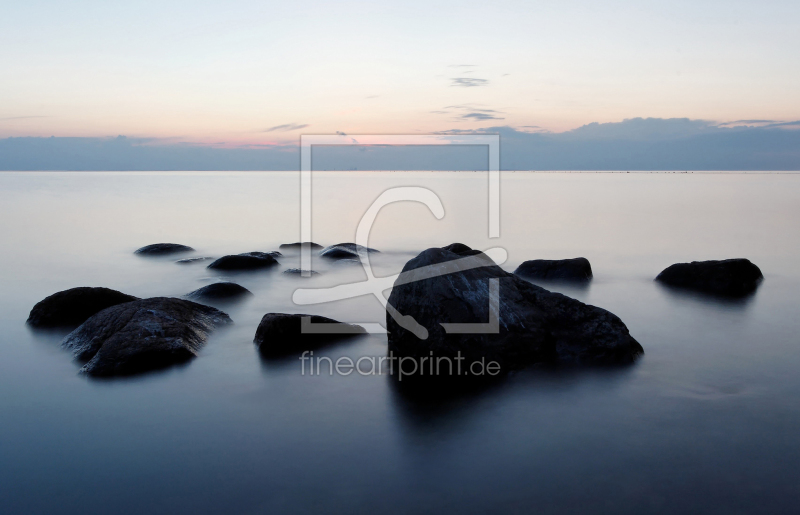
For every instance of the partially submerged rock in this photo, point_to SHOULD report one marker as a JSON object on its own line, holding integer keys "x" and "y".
{"x": 220, "y": 291}
{"x": 345, "y": 251}
{"x": 162, "y": 249}
{"x": 575, "y": 269}
{"x": 189, "y": 261}
{"x": 528, "y": 324}
{"x": 729, "y": 277}
{"x": 280, "y": 334}
{"x": 246, "y": 261}
{"x": 143, "y": 335}
{"x": 298, "y": 271}
{"x": 71, "y": 308}
{"x": 300, "y": 244}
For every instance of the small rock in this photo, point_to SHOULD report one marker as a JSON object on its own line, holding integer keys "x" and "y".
{"x": 188, "y": 261}
{"x": 246, "y": 261}
{"x": 345, "y": 251}
{"x": 220, "y": 291}
{"x": 297, "y": 271}
{"x": 162, "y": 249}
{"x": 143, "y": 335}
{"x": 298, "y": 245}
{"x": 71, "y": 308}
{"x": 729, "y": 277}
{"x": 280, "y": 334}
{"x": 576, "y": 269}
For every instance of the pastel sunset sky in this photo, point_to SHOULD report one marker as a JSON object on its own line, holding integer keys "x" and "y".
{"x": 245, "y": 72}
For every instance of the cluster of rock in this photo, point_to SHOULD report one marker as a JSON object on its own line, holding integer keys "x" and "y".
{"x": 452, "y": 302}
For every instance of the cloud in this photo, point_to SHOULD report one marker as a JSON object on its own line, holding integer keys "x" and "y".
{"x": 640, "y": 129}
{"x": 479, "y": 117}
{"x": 633, "y": 144}
{"x": 468, "y": 82}
{"x": 287, "y": 127}
{"x": 748, "y": 122}
{"x": 787, "y": 125}
{"x": 462, "y": 66}
{"x": 470, "y": 112}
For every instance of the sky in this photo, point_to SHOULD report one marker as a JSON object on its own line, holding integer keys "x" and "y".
{"x": 253, "y": 74}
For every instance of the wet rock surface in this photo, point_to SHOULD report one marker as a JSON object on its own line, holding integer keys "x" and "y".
{"x": 281, "y": 334}
{"x": 575, "y": 269}
{"x": 728, "y": 277}
{"x": 143, "y": 335}
{"x": 70, "y": 308}
{"x": 531, "y": 324}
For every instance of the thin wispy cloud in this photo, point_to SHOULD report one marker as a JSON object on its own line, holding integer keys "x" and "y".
{"x": 480, "y": 117}
{"x": 287, "y": 127}
{"x": 786, "y": 125}
{"x": 468, "y": 82}
{"x": 470, "y": 112}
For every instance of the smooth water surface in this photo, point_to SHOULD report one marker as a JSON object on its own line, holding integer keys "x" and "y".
{"x": 706, "y": 422}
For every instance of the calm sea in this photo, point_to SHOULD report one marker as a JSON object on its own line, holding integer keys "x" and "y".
{"x": 708, "y": 421}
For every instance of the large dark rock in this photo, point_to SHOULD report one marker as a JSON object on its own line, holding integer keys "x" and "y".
{"x": 576, "y": 269}
{"x": 300, "y": 244}
{"x": 161, "y": 249}
{"x": 246, "y": 261}
{"x": 280, "y": 334}
{"x": 345, "y": 251}
{"x": 730, "y": 277}
{"x": 143, "y": 335}
{"x": 533, "y": 324}
{"x": 71, "y": 308}
{"x": 220, "y": 291}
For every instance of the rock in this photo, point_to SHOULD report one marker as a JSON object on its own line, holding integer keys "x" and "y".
{"x": 298, "y": 245}
{"x": 220, "y": 291}
{"x": 162, "y": 249}
{"x": 246, "y": 261}
{"x": 143, "y": 335}
{"x": 71, "y": 308}
{"x": 533, "y": 324}
{"x": 297, "y": 271}
{"x": 188, "y": 261}
{"x": 345, "y": 251}
{"x": 575, "y": 269}
{"x": 280, "y": 334}
{"x": 729, "y": 277}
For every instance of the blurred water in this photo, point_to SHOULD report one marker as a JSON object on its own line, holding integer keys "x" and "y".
{"x": 706, "y": 422}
